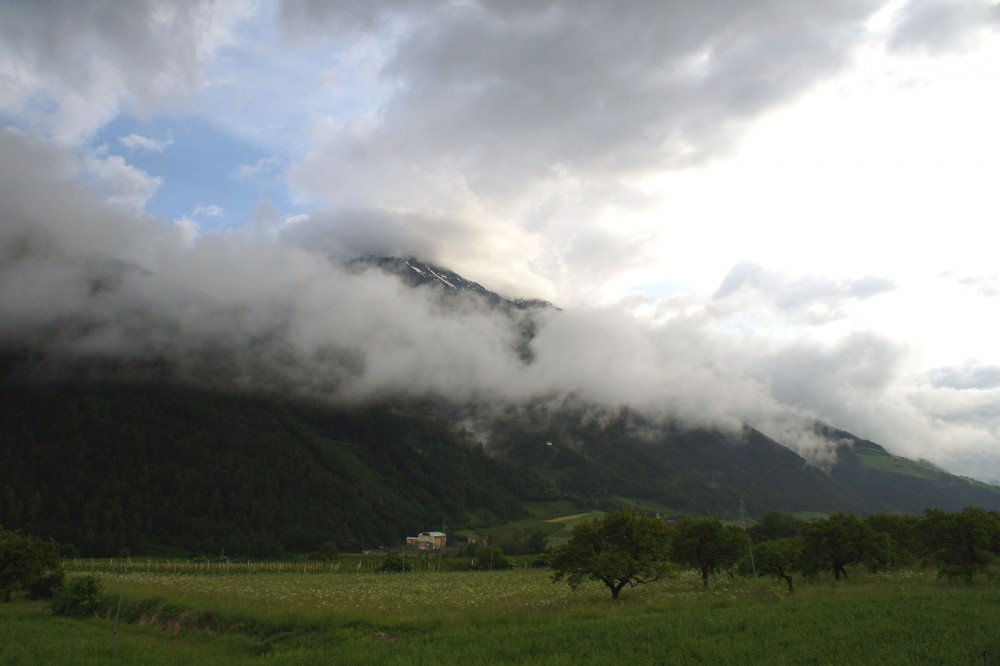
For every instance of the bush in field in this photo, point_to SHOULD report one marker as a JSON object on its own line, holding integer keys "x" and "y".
{"x": 541, "y": 561}
{"x": 28, "y": 564}
{"x": 488, "y": 558}
{"x": 622, "y": 548}
{"x": 327, "y": 552}
{"x": 80, "y": 597}
{"x": 396, "y": 564}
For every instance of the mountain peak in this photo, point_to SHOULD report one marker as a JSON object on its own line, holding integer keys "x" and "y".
{"x": 416, "y": 273}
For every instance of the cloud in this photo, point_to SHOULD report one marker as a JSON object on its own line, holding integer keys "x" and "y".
{"x": 210, "y": 210}
{"x": 970, "y": 376}
{"x": 118, "y": 182}
{"x": 533, "y": 147}
{"x": 529, "y": 110}
{"x": 69, "y": 67}
{"x": 942, "y": 25}
{"x": 505, "y": 94}
{"x": 447, "y": 240}
{"x": 263, "y": 166}
{"x": 144, "y": 143}
{"x": 810, "y": 298}
{"x": 987, "y": 286}
{"x": 82, "y": 279}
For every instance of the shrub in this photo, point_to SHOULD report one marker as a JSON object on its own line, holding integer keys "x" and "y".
{"x": 80, "y": 597}
{"x": 45, "y": 586}
{"x": 489, "y": 558}
{"x": 327, "y": 552}
{"x": 396, "y": 564}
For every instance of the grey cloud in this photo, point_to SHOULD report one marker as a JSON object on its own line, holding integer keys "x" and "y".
{"x": 70, "y": 64}
{"x": 485, "y": 103}
{"x": 796, "y": 296}
{"x": 832, "y": 380}
{"x": 986, "y": 285}
{"x": 941, "y": 25}
{"x": 83, "y": 280}
{"x": 508, "y": 93}
{"x": 317, "y": 18}
{"x": 351, "y": 233}
{"x": 967, "y": 377}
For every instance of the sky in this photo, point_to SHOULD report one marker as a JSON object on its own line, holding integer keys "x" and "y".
{"x": 760, "y": 212}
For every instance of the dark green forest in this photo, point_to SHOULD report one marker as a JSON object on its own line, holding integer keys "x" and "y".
{"x": 157, "y": 468}
{"x": 115, "y": 469}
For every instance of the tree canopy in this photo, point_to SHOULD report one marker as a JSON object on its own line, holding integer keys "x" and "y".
{"x": 962, "y": 544}
{"x": 622, "y": 548}
{"x": 707, "y": 545}
{"x": 839, "y": 540}
{"x": 28, "y": 564}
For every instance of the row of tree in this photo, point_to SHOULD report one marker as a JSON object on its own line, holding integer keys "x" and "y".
{"x": 627, "y": 548}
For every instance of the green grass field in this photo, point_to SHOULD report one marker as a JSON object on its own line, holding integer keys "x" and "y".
{"x": 880, "y": 461}
{"x": 507, "y": 617}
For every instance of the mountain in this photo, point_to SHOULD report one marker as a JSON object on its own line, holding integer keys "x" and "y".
{"x": 150, "y": 468}
{"x": 715, "y": 472}
{"x": 888, "y": 484}
{"x": 113, "y": 459}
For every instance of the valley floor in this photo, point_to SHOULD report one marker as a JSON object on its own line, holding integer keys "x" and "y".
{"x": 512, "y": 617}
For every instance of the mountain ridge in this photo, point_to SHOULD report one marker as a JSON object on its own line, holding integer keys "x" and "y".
{"x": 416, "y": 273}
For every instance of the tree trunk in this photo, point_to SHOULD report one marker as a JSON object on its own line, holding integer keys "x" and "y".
{"x": 704, "y": 577}
{"x": 616, "y": 589}
{"x": 788, "y": 579}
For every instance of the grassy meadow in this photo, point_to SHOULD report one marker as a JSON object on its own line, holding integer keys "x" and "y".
{"x": 519, "y": 616}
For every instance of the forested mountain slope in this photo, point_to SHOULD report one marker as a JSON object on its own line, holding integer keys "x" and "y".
{"x": 714, "y": 472}
{"x": 167, "y": 469}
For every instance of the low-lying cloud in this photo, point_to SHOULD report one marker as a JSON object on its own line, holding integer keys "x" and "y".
{"x": 524, "y": 145}
{"x": 80, "y": 279}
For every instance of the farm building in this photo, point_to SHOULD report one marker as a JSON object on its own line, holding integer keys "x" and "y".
{"x": 427, "y": 541}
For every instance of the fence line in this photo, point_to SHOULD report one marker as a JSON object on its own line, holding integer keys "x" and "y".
{"x": 200, "y": 566}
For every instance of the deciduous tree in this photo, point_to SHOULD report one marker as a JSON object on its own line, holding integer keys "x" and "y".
{"x": 962, "y": 544}
{"x": 779, "y": 557}
{"x": 622, "y": 548}
{"x": 839, "y": 540}
{"x": 28, "y": 564}
{"x": 707, "y": 545}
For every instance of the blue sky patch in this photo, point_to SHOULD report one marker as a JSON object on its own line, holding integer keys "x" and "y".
{"x": 207, "y": 174}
